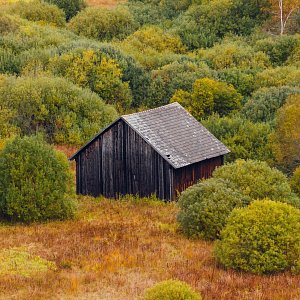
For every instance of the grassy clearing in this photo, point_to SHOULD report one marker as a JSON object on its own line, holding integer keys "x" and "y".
{"x": 104, "y": 3}
{"x": 116, "y": 249}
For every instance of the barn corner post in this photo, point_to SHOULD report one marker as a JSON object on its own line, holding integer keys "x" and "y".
{"x": 158, "y": 151}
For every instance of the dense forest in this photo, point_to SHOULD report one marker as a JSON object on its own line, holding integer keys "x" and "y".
{"x": 75, "y": 68}
{"x": 68, "y": 68}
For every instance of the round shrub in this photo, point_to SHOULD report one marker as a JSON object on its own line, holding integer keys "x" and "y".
{"x": 265, "y": 102}
{"x": 103, "y": 24}
{"x": 205, "y": 207}
{"x": 153, "y": 47}
{"x": 70, "y": 7}
{"x": 35, "y": 182}
{"x": 62, "y": 111}
{"x": 8, "y": 24}
{"x": 280, "y": 76}
{"x": 295, "y": 181}
{"x": 176, "y": 75}
{"x": 209, "y": 96}
{"x": 96, "y": 71}
{"x": 258, "y": 181}
{"x": 278, "y": 48}
{"x": 40, "y": 11}
{"x": 261, "y": 238}
{"x": 285, "y": 138}
{"x": 171, "y": 290}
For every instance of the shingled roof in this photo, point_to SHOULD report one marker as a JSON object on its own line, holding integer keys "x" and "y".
{"x": 175, "y": 134}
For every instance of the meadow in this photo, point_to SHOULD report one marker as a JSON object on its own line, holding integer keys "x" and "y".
{"x": 104, "y": 3}
{"x": 116, "y": 249}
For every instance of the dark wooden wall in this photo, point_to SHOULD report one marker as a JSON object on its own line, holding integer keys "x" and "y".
{"x": 189, "y": 175}
{"x": 120, "y": 162}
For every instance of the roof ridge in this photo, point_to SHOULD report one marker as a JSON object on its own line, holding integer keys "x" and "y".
{"x": 154, "y": 109}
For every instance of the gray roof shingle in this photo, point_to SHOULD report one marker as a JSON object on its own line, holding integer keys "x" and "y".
{"x": 176, "y": 135}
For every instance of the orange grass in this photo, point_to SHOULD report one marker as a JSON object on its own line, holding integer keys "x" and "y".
{"x": 116, "y": 249}
{"x": 105, "y": 3}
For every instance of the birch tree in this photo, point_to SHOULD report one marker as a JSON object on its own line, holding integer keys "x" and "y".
{"x": 283, "y": 10}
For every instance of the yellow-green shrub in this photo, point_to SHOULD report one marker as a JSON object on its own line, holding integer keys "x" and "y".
{"x": 153, "y": 47}
{"x": 94, "y": 70}
{"x": 258, "y": 181}
{"x": 234, "y": 54}
{"x": 295, "y": 181}
{"x": 103, "y": 24}
{"x": 280, "y": 76}
{"x": 8, "y": 24}
{"x": 40, "y": 11}
{"x": 285, "y": 139}
{"x": 262, "y": 238}
{"x": 62, "y": 111}
{"x": 171, "y": 290}
{"x": 208, "y": 96}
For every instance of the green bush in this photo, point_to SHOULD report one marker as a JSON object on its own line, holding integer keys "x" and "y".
{"x": 265, "y": 102}
{"x": 262, "y": 238}
{"x": 153, "y": 47}
{"x": 7, "y": 129}
{"x": 40, "y": 11}
{"x": 234, "y": 54}
{"x": 245, "y": 139}
{"x": 205, "y": 207}
{"x": 177, "y": 75}
{"x": 294, "y": 58}
{"x": 94, "y": 70}
{"x": 133, "y": 73}
{"x": 171, "y": 290}
{"x": 8, "y": 24}
{"x": 156, "y": 12}
{"x": 9, "y": 62}
{"x": 35, "y": 182}
{"x": 209, "y": 96}
{"x": 285, "y": 138}
{"x": 280, "y": 76}
{"x": 32, "y": 36}
{"x": 278, "y": 48}
{"x": 203, "y": 25}
{"x": 62, "y": 111}
{"x": 258, "y": 181}
{"x": 243, "y": 79}
{"x": 103, "y": 24}
{"x": 295, "y": 181}
{"x": 70, "y": 7}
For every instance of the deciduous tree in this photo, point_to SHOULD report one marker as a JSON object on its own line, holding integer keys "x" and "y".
{"x": 283, "y": 10}
{"x": 286, "y": 138}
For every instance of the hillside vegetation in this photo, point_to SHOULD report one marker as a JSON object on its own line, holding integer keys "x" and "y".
{"x": 68, "y": 68}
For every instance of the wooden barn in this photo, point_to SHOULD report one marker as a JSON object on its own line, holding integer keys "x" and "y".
{"x": 162, "y": 151}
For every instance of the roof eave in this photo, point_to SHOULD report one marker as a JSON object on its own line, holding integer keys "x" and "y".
{"x": 93, "y": 139}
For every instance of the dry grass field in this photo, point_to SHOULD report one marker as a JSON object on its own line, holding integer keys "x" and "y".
{"x": 104, "y": 3}
{"x": 114, "y": 250}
